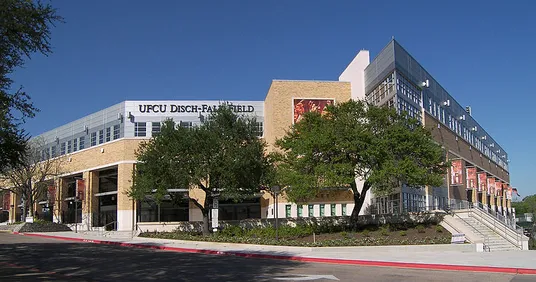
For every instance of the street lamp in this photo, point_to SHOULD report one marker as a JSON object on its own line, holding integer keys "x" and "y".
{"x": 276, "y": 189}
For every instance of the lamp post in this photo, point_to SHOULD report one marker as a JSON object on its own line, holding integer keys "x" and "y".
{"x": 276, "y": 189}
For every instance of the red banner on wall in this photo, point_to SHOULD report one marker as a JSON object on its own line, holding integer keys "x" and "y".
{"x": 6, "y": 201}
{"x": 51, "y": 194}
{"x": 456, "y": 173}
{"x": 491, "y": 185}
{"x": 482, "y": 185}
{"x": 509, "y": 193}
{"x": 471, "y": 178}
{"x": 498, "y": 188}
{"x": 80, "y": 188}
{"x": 302, "y": 106}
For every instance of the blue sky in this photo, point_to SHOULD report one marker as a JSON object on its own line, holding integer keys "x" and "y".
{"x": 482, "y": 52}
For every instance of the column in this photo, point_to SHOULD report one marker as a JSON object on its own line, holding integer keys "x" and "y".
{"x": 125, "y": 205}
{"x": 90, "y": 203}
{"x": 493, "y": 201}
{"x": 474, "y": 195}
{"x": 485, "y": 200}
{"x": 14, "y": 202}
{"x": 505, "y": 207}
{"x": 61, "y": 190}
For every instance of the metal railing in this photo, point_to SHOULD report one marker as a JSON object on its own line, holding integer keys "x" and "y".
{"x": 103, "y": 231}
{"x": 484, "y": 236}
{"x": 501, "y": 225}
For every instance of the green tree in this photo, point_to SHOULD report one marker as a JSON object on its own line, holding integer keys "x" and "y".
{"x": 223, "y": 156}
{"x": 527, "y": 205}
{"x": 356, "y": 141}
{"x": 24, "y": 29}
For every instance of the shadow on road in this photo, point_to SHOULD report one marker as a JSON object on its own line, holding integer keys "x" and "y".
{"x": 84, "y": 261}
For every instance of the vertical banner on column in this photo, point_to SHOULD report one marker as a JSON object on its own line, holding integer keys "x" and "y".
{"x": 491, "y": 185}
{"x": 456, "y": 173}
{"x": 51, "y": 194}
{"x": 482, "y": 185}
{"x": 6, "y": 201}
{"x": 80, "y": 188}
{"x": 471, "y": 178}
{"x": 498, "y": 188}
{"x": 509, "y": 193}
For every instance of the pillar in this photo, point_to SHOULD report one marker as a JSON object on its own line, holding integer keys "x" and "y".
{"x": 504, "y": 205}
{"x": 485, "y": 199}
{"x": 493, "y": 201}
{"x": 125, "y": 204}
{"x": 474, "y": 195}
{"x": 90, "y": 203}
{"x": 13, "y": 203}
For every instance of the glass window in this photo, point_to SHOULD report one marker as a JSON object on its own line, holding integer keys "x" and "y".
{"x": 311, "y": 210}
{"x": 287, "y": 210}
{"x": 116, "y": 131}
{"x": 322, "y": 209}
{"x": 343, "y": 209}
{"x": 155, "y": 128}
{"x": 101, "y": 136}
{"x": 140, "y": 129}
{"x": 93, "y": 139}
{"x": 300, "y": 210}
{"x": 62, "y": 149}
{"x": 69, "y": 146}
{"x": 82, "y": 142}
{"x": 53, "y": 151}
{"x": 75, "y": 145}
{"x": 186, "y": 124}
{"x": 108, "y": 134}
{"x": 259, "y": 129}
{"x": 333, "y": 209}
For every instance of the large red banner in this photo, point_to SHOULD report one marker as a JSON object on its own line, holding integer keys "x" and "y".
{"x": 491, "y": 185}
{"x": 302, "y": 106}
{"x": 509, "y": 193}
{"x": 456, "y": 174}
{"x": 482, "y": 182}
{"x": 80, "y": 188}
{"x": 471, "y": 178}
{"x": 498, "y": 188}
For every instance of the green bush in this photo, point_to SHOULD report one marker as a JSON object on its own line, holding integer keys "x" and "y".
{"x": 384, "y": 231}
{"x": 420, "y": 228}
{"x": 403, "y": 233}
{"x": 439, "y": 229}
{"x": 365, "y": 233}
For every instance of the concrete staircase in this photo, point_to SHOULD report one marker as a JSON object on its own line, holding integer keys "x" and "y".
{"x": 492, "y": 240}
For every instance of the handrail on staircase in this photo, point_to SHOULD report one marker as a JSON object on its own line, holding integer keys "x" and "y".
{"x": 503, "y": 224}
{"x": 106, "y": 225}
{"x": 486, "y": 237}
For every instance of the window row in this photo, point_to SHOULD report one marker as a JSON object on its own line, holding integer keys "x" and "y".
{"x": 383, "y": 90}
{"x": 406, "y": 88}
{"x": 140, "y": 128}
{"x": 411, "y": 110}
{"x": 105, "y": 135}
{"x": 316, "y": 210}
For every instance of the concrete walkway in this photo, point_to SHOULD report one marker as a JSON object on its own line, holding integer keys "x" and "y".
{"x": 453, "y": 257}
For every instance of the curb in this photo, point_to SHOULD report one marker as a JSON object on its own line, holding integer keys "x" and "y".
{"x": 429, "y": 266}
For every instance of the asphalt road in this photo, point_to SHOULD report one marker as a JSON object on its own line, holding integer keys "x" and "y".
{"x": 36, "y": 259}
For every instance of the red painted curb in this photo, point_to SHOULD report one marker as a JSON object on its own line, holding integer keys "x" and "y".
{"x": 431, "y": 266}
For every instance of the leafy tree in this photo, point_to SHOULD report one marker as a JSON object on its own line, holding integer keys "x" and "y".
{"x": 30, "y": 176}
{"x": 355, "y": 141}
{"x": 24, "y": 29}
{"x": 223, "y": 156}
{"x": 527, "y": 205}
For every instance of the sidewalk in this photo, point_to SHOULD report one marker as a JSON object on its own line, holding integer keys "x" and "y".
{"x": 429, "y": 257}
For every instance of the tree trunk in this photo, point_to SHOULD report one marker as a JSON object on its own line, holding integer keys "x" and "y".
{"x": 206, "y": 222}
{"x": 359, "y": 199}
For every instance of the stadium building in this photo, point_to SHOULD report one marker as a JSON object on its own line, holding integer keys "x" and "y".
{"x": 100, "y": 151}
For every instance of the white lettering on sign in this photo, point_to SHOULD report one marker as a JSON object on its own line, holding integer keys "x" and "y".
{"x": 200, "y": 108}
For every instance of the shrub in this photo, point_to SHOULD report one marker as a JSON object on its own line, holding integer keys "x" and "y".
{"x": 439, "y": 229}
{"x": 403, "y": 233}
{"x": 384, "y": 232}
{"x": 365, "y": 233}
{"x": 344, "y": 234}
{"x": 420, "y": 228}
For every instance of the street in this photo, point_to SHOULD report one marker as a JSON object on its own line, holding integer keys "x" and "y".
{"x": 36, "y": 259}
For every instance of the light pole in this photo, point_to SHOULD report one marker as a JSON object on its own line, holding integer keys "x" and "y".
{"x": 276, "y": 189}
